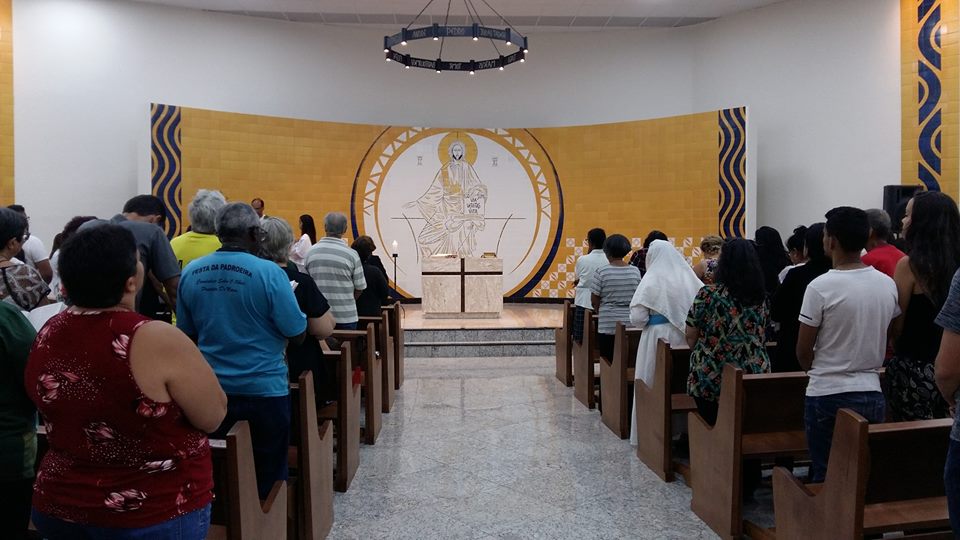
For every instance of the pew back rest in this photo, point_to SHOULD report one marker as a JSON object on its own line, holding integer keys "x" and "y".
{"x": 773, "y": 402}
{"x": 907, "y": 460}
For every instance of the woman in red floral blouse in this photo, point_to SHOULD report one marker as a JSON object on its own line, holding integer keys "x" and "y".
{"x": 127, "y": 403}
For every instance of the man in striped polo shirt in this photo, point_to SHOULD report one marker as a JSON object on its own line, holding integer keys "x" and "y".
{"x": 337, "y": 270}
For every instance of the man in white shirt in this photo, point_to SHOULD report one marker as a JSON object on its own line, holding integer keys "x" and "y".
{"x": 582, "y": 271}
{"x": 843, "y": 334}
{"x": 34, "y": 252}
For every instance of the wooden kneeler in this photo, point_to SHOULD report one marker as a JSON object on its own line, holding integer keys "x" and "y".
{"x": 616, "y": 380}
{"x": 881, "y": 478}
{"x": 386, "y": 352}
{"x": 656, "y": 406}
{"x": 760, "y": 417}
{"x": 585, "y": 357}
{"x": 312, "y": 457}
{"x": 236, "y": 489}
{"x": 564, "y": 347}
{"x": 364, "y": 348}
{"x": 345, "y": 414}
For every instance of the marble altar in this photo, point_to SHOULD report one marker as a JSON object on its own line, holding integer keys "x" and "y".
{"x": 462, "y": 288}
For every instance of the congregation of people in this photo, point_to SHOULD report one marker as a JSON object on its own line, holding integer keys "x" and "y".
{"x": 842, "y": 300}
{"x": 135, "y": 350}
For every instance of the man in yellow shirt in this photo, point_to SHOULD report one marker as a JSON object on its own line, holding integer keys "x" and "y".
{"x": 202, "y": 238}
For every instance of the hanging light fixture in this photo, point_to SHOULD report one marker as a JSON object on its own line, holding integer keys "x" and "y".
{"x": 508, "y": 36}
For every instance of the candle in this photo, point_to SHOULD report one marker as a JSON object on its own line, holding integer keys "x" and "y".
{"x": 394, "y": 246}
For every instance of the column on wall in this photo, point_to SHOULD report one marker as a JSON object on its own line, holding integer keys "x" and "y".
{"x": 930, "y": 88}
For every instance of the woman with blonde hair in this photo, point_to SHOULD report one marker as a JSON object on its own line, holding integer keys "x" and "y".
{"x": 710, "y": 248}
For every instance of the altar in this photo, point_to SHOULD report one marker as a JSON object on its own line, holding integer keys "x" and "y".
{"x": 462, "y": 288}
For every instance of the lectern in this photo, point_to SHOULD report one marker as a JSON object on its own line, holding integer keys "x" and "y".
{"x": 462, "y": 288}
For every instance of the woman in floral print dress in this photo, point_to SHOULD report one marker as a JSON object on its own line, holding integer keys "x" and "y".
{"x": 126, "y": 402}
{"x": 726, "y": 325}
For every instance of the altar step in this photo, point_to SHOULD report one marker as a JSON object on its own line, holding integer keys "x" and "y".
{"x": 461, "y": 343}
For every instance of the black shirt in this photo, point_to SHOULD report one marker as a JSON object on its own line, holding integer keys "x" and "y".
{"x": 313, "y": 304}
{"x": 375, "y": 295}
{"x": 785, "y": 309}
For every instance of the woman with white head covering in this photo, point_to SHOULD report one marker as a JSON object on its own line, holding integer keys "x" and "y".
{"x": 660, "y": 308}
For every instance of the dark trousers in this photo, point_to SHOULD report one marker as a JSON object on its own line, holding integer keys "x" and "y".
{"x": 820, "y": 415}
{"x": 605, "y": 344}
{"x": 269, "y": 419}
{"x": 346, "y": 326}
{"x": 751, "y": 467}
{"x": 15, "y": 509}
{"x": 951, "y": 480}
{"x": 577, "y": 331}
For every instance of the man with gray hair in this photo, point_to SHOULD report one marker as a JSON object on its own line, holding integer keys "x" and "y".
{"x": 241, "y": 311}
{"x": 201, "y": 239}
{"x": 880, "y": 253}
{"x": 337, "y": 271}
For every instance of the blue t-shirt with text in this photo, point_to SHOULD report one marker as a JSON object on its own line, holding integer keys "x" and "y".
{"x": 241, "y": 309}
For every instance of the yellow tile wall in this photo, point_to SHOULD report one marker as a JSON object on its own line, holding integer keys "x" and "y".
{"x": 6, "y": 103}
{"x": 628, "y": 177}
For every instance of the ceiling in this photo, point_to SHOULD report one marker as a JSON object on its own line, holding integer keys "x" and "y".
{"x": 525, "y": 15}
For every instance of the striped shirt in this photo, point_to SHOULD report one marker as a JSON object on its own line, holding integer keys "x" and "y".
{"x": 615, "y": 286}
{"x": 337, "y": 271}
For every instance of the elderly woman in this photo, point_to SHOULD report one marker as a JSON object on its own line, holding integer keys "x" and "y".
{"x": 201, "y": 239}
{"x": 126, "y": 402}
{"x": 660, "y": 308}
{"x": 277, "y": 238}
{"x": 377, "y": 292}
{"x": 707, "y": 267}
{"x": 20, "y": 285}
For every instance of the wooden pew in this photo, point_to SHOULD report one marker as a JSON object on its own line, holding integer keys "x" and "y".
{"x": 760, "y": 417}
{"x": 564, "y": 354}
{"x": 585, "y": 357}
{"x": 395, "y": 324}
{"x": 881, "y": 478}
{"x": 656, "y": 406}
{"x": 616, "y": 380}
{"x": 386, "y": 352}
{"x": 363, "y": 343}
{"x": 345, "y": 414}
{"x": 311, "y": 459}
{"x": 237, "y": 513}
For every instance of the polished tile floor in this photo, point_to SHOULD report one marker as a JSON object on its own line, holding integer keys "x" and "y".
{"x": 497, "y": 448}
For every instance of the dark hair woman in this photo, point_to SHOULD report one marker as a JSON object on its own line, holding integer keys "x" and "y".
{"x": 308, "y": 237}
{"x": 126, "y": 402}
{"x": 727, "y": 325}
{"x": 785, "y": 307}
{"x": 611, "y": 290}
{"x": 931, "y": 229}
{"x": 69, "y": 230}
{"x": 20, "y": 285}
{"x": 773, "y": 257}
{"x": 639, "y": 257}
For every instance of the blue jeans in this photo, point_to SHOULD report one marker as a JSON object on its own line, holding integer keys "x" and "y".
{"x": 192, "y": 526}
{"x": 346, "y": 326}
{"x": 269, "y": 419}
{"x": 820, "y": 415}
{"x": 951, "y": 480}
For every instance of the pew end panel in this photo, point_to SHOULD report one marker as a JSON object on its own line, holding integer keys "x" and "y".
{"x": 385, "y": 351}
{"x": 564, "y": 346}
{"x": 315, "y": 466}
{"x": 759, "y": 417}
{"x": 616, "y": 380}
{"x": 584, "y": 359}
{"x": 395, "y": 317}
{"x": 246, "y": 518}
{"x": 364, "y": 354}
{"x": 656, "y": 406}
{"x": 345, "y": 414}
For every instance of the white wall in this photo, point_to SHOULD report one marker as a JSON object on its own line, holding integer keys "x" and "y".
{"x": 822, "y": 82}
{"x": 86, "y": 71}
